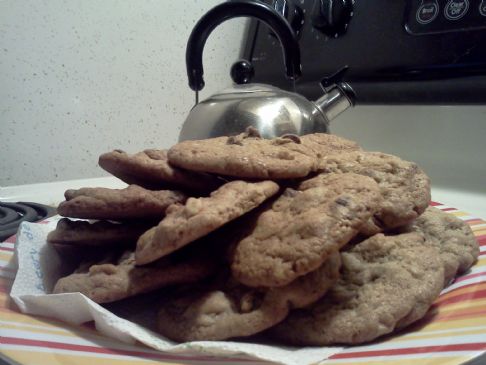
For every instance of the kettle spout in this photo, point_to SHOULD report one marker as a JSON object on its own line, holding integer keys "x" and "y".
{"x": 335, "y": 101}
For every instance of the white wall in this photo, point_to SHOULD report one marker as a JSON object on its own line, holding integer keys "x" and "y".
{"x": 79, "y": 78}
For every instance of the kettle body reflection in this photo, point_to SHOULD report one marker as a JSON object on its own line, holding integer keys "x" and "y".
{"x": 270, "y": 110}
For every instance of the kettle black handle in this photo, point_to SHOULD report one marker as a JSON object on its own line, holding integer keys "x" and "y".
{"x": 233, "y": 9}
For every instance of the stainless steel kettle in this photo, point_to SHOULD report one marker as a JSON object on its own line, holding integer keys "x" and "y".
{"x": 272, "y": 111}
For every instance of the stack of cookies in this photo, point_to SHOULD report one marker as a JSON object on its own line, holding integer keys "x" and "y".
{"x": 309, "y": 239}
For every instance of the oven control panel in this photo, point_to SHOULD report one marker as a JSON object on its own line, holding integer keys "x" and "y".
{"x": 442, "y": 16}
{"x": 393, "y": 51}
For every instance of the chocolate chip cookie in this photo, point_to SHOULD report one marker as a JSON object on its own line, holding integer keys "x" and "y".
{"x": 247, "y": 155}
{"x": 383, "y": 280}
{"x": 151, "y": 169}
{"x": 296, "y": 234}
{"x": 458, "y": 248}
{"x": 99, "y": 234}
{"x": 323, "y": 144}
{"x": 133, "y": 202}
{"x": 233, "y": 310}
{"x": 114, "y": 280}
{"x": 404, "y": 186}
{"x": 200, "y": 216}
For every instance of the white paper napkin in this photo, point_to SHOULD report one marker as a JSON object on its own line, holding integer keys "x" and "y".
{"x": 39, "y": 268}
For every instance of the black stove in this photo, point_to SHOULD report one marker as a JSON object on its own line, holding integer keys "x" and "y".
{"x": 12, "y": 214}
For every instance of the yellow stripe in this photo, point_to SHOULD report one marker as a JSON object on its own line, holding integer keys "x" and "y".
{"x": 469, "y": 304}
{"x": 420, "y": 335}
{"x": 51, "y": 358}
{"x": 4, "y": 301}
{"x": 481, "y": 262}
{"x": 61, "y": 329}
{"x": 6, "y": 255}
{"x": 477, "y": 226}
{"x": 447, "y": 360}
{"x": 455, "y": 323}
{"x": 65, "y": 330}
{"x": 458, "y": 213}
{"x": 50, "y": 324}
{"x": 478, "y": 231}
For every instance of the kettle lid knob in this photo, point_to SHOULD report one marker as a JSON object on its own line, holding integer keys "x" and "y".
{"x": 242, "y": 72}
{"x": 233, "y": 9}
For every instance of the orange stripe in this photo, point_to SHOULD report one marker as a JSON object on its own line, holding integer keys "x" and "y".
{"x": 478, "y": 294}
{"x": 460, "y": 314}
{"x": 479, "y": 231}
{"x": 7, "y": 303}
{"x": 461, "y": 291}
{"x": 463, "y": 306}
{"x": 4, "y": 310}
{"x": 436, "y": 316}
{"x": 159, "y": 355}
{"x": 474, "y": 222}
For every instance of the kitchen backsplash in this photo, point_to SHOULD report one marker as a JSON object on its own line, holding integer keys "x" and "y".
{"x": 79, "y": 78}
{"x": 448, "y": 142}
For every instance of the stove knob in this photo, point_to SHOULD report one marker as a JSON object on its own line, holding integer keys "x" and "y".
{"x": 332, "y": 16}
{"x": 290, "y": 11}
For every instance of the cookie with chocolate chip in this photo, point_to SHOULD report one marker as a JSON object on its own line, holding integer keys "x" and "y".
{"x": 200, "y": 216}
{"x": 99, "y": 234}
{"x": 115, "y": 279}
{"x": 133, "y": 202}
{"x": 300, "y": 229}
{"x": 232, "y": 310}
{"x": 458, "y": 248}
{"x": 247, "y": 155}
{"x": 405, "y": 188}
{"x": 384, "y": 280}
{"x": 151, "y": 169}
